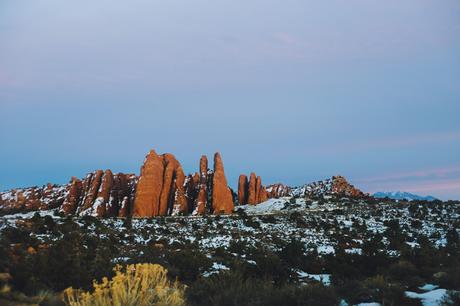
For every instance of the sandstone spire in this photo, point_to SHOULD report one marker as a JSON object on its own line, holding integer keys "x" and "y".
{"x": 222, "y": 199}
{"x": 242, "y": 189}
{"x": 149, "y": 187}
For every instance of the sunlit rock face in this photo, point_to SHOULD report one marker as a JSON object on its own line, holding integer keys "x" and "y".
{"x": 251, "y": 192}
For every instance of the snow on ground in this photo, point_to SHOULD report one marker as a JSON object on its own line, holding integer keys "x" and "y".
{"x": 430, "y": 298}
{"x": 323, "y": 278}
{"x": 326, "y": 249}
{"x": 216, "y": 268}
{"x": 269, "y": 206}
{"x": 428, "y": 287}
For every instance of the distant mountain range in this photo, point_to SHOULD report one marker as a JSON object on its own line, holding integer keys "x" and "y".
{"x": 399, "y": 195}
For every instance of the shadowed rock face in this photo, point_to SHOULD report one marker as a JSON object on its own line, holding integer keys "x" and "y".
{"x": 243, "y": 189}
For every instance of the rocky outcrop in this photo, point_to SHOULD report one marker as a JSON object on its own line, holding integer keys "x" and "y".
{"x": 70, "y": 204}
{"x": 278, "y": 190}
{"x": 33, "y": 198}
{"x": 160, "y": 188}
{"x": 148, "y": 191}
{"x": 163, "y": 188}
{"x": 222, "y": 198}
{"x": 251, "y": 192}
{"x": 100, "y": 194}
{"x": 341, "y": 186}
{"x": 180, "y": 206}
{"x": 333, "y": 187}
{"x": 243, "y": 186}
{"x": 208, "y": 190}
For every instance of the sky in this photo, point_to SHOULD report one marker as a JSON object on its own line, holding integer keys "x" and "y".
{"x": 294, "y": 90}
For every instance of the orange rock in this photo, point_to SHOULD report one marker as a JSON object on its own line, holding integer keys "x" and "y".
{"x": 222, "y": 199}
{"x": 278, "y": 190}
{"x": 180, "y": 200}
{"x": 262, "y": 195}
{"x": 203, "y": 169}
{"x": 201, "y": 201}
{"x": 103, "y": 195}
{"x": 252, "y": 194}
{"x": 91, "y": 194}
{"x": 171, "y": 165}
{"x": 258, "y": 187}
{"x": 243, "y": 189}
{"x": 149, "y": 187}
{"x": 73, "y": 197}
{"x": 341, "y": 186}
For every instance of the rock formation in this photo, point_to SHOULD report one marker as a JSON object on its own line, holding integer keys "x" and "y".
{"x": 251, "y": 192}
{"x": 70, "y": 204}
{"x": 341, "y": 186}
{"x": 222, "y": 199}
{"x": 278, "y": 190}
{"x": 100, "y": 194}
{"x": 161, "y": 189}
{"x": 243, "y": 189}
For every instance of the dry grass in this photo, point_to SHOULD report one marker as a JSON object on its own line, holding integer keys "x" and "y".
{"x": 136, "y": 285}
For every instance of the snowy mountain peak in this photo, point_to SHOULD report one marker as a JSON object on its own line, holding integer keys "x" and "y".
{"x": 401, "y": 195}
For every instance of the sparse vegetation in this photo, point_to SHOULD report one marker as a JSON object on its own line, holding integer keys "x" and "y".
{"x": 366, "y": 252}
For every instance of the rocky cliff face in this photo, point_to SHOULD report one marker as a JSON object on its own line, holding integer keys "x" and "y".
{"x": 278, "y": 190}
{"x": 33, "y": 198}
{"x": 163, "y": 189}
{"x": 251, "y": 192}
{"x": 341, "y": 186}
{"x": 160, "y": 189}
{"x": 222, "y": 198}
{"x": 100, "y": 194}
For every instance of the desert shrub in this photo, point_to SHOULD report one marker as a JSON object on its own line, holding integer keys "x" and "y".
{"x": 451, "y": 279}
{"x": 452, "y": 298}
{"x": 231, "y": 288}
{"x": 136, "y": 285}
{"x": 293, "y": 253}
{"x": 187, "y": 264}
{"x": 405, "y": 272}
{"x": 379, "y": 289}
{"x": 269, "y": 266}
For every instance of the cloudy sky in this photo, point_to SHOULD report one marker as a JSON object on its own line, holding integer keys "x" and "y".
{"x": 294, "y": 90}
